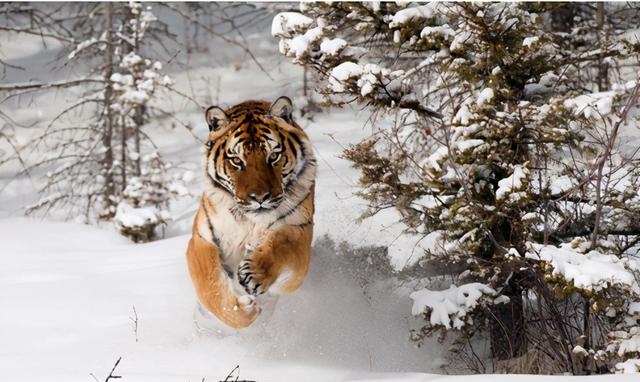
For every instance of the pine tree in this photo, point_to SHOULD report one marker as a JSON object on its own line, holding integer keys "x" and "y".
{"x": 98, "y": 156}
{"x": 504, "y": 148}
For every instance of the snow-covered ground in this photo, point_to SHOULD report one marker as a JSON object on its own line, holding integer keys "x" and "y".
{"x": 74, "y": 298}
{"x": 67, "y": 298}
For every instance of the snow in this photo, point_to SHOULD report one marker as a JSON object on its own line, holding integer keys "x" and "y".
{"x": 591, "y": 271}
{"x": 468, "y": 144}
{"x": 560, "y": 185}
{"x": 67, "y": 304}
{"x": 129, "y": 216}
{"x": 528, "y": 41}
{"x": 513, "y": 182}
{"x": 448, "y": 307}
{"x": 631, "y": 344}
{"x": 131, "y": 60}
{"x": 68, "y": 291}
{"x": 287, "y": 22}
{"x": 80, "y": 47}
{"x": 67, "y": 298}
{"x": 342, "y": 73}
{"x": 463, "y": 116}
{"x": 460, "y": 40}
{"x": 298, "y": 46}
{"x": 485, "y": 96}
{"x": 413, "y": 14}
{"x": 332, "y": 47}
{"x": 579, "y": 350}
{"x": 592, "y": 105}
{"x": 630, "y": 366}
{"x": 441, "y": 30}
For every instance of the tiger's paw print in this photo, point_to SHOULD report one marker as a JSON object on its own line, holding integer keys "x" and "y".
{"x": 251, "y": 280}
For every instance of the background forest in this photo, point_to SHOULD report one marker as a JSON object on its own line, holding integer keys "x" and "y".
{"x": 478, "y": 205}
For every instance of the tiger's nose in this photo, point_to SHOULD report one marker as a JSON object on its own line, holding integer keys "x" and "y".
{"x": 259, "y": 198}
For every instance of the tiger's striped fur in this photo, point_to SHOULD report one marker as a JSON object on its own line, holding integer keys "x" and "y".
{"x": 252, "y": 233}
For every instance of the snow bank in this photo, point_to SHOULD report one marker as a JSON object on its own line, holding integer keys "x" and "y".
{"x": 68, "y": 298}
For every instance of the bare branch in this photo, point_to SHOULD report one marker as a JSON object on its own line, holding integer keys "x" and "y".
{"x": 49, "y": 85}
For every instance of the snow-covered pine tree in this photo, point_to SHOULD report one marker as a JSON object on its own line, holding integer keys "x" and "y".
{"x": 145, "y": 195}
{"x": 98, "y": 156}
{"x": 499, "y": 142}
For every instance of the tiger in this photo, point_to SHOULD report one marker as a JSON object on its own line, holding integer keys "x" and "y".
{"x": 253, "y": 229}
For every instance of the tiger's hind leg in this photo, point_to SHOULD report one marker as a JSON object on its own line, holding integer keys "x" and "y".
{"x": 214, "y": 287}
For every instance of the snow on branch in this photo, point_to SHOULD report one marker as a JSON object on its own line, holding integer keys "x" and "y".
{"x": 599, "y": 103}
{"x": 414, "y": 14}
{"x": 449, "y": 307}
{"x": 287, "y": 22}
{"x": 509, "y": 186}
{"x": 592, "y": 271}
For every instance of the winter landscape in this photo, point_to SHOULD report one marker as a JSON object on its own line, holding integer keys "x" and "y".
{"x": 476, "y": 199}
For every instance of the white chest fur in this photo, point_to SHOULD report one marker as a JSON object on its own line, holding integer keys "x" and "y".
{"x": 235, "y": 235}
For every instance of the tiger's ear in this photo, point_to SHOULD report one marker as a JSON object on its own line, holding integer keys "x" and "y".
{"x": 216, "y": 118}
{"x": 283, "y": 108}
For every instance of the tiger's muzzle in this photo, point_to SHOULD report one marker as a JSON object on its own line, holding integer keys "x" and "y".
{"x": 261, "y": 203}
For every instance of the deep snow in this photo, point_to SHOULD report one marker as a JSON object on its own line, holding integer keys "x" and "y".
{"x": 67, "y": 298}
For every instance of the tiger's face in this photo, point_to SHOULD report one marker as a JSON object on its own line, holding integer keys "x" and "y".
{"x": 255, "y": 151}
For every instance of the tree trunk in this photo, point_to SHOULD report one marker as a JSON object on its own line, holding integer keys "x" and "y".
{"x": 107, "y": 162}
{"x": 138, "y": 117}
{"x": 603, "y": 66}
{"x": 507, "y": 324}
{"x": 562, "y": 17}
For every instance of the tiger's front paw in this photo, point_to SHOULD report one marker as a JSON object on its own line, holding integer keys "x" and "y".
{"x": 248, "y": 304}
{"x": 253, "y": 278}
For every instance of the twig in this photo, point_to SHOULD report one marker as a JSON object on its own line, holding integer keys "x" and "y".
{"x": 111, "y": 375}
{"x": 134, "y": 319}
{"x": 231, "y": 375}
{"x": 635, "y": 94}
{"x": 221, "y": 36}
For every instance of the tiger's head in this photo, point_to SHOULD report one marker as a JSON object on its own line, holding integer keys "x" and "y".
{"x": 256, "y": 152}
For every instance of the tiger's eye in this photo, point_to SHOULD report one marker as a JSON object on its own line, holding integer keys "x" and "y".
{"x": 236, "y": 161}
{"x": 274, "y": 157}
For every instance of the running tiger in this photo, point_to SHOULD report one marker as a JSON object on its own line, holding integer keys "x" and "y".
{"x": 252, "y": 233}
